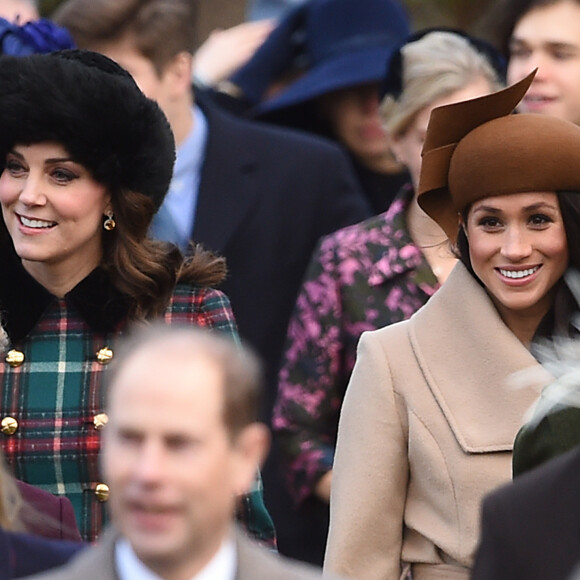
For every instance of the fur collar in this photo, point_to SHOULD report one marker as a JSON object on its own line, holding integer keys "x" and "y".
{"x": 23, "y": 300}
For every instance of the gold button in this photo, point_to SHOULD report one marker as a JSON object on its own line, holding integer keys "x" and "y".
{"x": 9, "y": 425}
{"x": 104, "y": 355}
{"x": 100, "y": 420}
{"x": 14, "y": 358}
{"x": 102, "y": 492}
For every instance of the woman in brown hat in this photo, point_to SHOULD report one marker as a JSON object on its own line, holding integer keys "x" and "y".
{"x": 353, "y": 284}
{"x": 428, "y": 421}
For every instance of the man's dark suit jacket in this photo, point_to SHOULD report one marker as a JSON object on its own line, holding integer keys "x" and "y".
{"x": 531, "y": 527}
{"x": 266, "y": 196}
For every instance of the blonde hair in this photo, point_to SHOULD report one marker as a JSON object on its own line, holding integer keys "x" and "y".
{"x": 436, "y": 65}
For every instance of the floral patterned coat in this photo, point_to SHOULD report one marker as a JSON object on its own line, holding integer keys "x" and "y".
{"x": 360, "y": 278}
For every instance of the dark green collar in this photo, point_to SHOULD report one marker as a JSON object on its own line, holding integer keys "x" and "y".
{"x": 23, "y": 300}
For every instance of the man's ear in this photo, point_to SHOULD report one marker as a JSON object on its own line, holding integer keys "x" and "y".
{"x": 178, "y": 72}
{"x": 251, "y": 448}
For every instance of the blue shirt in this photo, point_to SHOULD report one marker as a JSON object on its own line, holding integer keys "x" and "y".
{"x": 174, "y": 220}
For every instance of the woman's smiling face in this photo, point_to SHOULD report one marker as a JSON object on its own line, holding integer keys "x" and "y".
{"x": 53, "y": 210}
{"x": 518, "y": 249}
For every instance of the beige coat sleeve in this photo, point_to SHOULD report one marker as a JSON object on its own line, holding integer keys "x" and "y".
{"x": 370, "y": 472}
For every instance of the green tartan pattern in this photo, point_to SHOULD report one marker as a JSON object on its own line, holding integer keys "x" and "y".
{"x": 58, "y": 390}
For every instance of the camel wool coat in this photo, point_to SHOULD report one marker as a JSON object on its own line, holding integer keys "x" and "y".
{"x": 426, "y": 430}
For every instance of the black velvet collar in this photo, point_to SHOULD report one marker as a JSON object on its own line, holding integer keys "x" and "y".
{"x": 23, "y": 300}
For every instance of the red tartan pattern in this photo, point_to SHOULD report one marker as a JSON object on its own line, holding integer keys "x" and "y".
{"x": 58, "y": 390}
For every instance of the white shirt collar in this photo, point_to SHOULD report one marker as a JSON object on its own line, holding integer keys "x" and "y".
{"x": 221, "y": 567}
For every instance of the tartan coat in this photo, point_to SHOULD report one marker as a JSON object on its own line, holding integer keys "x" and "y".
{"x": 52, "y": 404}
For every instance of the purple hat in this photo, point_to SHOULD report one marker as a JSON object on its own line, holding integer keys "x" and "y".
{"x": 344, "y": 43}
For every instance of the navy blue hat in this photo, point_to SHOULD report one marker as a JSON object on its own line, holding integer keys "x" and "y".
{"x": 342, "y": 43}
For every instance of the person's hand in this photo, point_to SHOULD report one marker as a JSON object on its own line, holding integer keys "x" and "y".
{"x": 227, "y": 50}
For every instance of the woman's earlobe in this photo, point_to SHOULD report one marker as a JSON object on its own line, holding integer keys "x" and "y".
{"x": 462, "y": 224}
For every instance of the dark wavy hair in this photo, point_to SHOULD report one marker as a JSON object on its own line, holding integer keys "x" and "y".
{"x": 507, "y": 14}
{"x": 147, "y": 270}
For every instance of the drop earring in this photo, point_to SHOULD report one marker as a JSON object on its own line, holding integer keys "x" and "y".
{"x": 109, "y": 224}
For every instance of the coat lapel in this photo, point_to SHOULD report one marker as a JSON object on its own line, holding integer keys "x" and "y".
{"x": 483, "y": 410}
{"x": 228, "y": 187}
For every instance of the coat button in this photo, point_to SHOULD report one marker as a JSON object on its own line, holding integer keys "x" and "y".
{"x": 14, "y": 358}
{"x": 9, "y": 425}
{"x": 102, "y": 492}
{"x": 100, "y": 420}
{"x": 104, "y": 355}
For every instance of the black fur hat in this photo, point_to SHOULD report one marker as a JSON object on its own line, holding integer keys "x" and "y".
{"x": 93, "y": 107}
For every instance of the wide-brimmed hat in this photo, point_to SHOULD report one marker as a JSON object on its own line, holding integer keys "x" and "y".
{"x": 477, "y": 148}
{"x": 339, "y": 43}
{"x": 93, "y": 107}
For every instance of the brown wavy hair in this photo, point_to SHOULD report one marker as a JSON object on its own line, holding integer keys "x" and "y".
{"x": 146, "y": 270}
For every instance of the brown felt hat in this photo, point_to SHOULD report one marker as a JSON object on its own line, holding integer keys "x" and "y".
{"x": 477, "y": 148}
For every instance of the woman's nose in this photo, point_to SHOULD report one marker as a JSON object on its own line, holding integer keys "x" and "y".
{"x": 31, "y": 191}
{"x": 516, "y": 244}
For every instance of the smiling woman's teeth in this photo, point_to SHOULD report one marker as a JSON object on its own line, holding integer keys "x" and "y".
{"x": 35, "y": 223}
{"x": 518, "y": 273}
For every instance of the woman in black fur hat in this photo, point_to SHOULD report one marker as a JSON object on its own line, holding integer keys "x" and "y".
{"x": 86, "y": 160}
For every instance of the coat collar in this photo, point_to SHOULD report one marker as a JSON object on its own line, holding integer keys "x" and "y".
{"x": 23, "y": 300}
{"x": 227, "y": 180}
{"x": 400, "y": 256}
{"x": 254, "y": 562}
{"x": 468, "y": 377}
